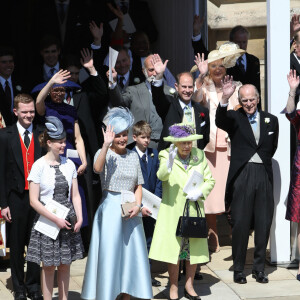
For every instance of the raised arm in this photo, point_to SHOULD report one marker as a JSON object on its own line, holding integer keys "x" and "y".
{"x": 108, "y": 136}
{"x": 58, "y": 78}
{"x": 222, "y": 120}
{"x": 202, "y": 65}
{"x": 87, "y": 62}
{"x": 293, "y": 81}
{"x": 198, "y": 45}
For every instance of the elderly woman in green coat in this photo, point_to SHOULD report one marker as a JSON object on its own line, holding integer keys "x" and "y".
{"x": 176, "y": 166}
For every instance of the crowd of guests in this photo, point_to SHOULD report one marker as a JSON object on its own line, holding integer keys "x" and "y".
{"x": 71, "y": 135}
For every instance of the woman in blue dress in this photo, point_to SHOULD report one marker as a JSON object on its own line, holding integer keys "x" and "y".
{"x": 117, "y": 260}
{"x": 67, "y": 114}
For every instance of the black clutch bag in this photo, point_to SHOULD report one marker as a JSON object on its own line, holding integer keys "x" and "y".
{"x": 72, "y": 220}
{"x": 191, "y": 227}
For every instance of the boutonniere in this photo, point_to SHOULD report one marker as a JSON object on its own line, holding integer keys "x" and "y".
{"x": 195, "y": 158}
{"x": 152, "y": 154}
{"x": 202, "y": 115}
{"x": 18, "y": 88}
{"x": 136, "y": 80}
{"x": 172, "y": 91}
{"x": 267, "y": 120}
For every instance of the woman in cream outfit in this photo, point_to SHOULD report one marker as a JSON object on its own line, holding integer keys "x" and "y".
{"x": 217, "y": 151}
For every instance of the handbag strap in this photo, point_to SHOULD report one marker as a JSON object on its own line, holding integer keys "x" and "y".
{"x": 186, "y": 210}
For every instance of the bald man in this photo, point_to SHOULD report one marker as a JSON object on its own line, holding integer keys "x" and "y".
{"x": 138, "y": 98}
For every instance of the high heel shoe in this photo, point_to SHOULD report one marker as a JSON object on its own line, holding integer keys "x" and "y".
{"x": 188, "y": 296}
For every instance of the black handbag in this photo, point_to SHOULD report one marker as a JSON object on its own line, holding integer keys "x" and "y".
{"x": 191, "y": 227}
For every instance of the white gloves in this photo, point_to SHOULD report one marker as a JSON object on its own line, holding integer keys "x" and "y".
{"x": 172, "y": 155}
{"x": 194, "y": 195}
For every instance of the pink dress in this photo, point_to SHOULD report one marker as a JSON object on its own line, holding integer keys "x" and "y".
{"x": 217, "y": 150}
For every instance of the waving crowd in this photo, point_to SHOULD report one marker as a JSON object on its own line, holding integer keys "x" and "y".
{"x": 74, "y": 141}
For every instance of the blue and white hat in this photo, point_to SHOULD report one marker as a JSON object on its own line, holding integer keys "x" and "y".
{"x": 120, "y": 118}
{"x": 55, "y": 128}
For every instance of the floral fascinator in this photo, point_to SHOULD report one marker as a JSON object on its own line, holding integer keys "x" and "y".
{"x": 182, "y": 133}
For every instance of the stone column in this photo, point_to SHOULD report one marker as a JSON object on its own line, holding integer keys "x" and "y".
{"x": 278, "y": 62}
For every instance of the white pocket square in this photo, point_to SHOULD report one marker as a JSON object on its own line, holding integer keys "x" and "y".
{"x": 203, "y": 123}
{"x": 271, "y": 132}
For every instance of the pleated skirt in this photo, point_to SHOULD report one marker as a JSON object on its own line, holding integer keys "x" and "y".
{"x": 118, "y": 259}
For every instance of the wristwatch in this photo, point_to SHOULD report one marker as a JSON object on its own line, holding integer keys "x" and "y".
{"x": 140, "y": 206}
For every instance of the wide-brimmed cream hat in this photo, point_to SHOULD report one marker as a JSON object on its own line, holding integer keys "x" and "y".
{"x": 229, "y": 51}
{"x": 182, "y": 132}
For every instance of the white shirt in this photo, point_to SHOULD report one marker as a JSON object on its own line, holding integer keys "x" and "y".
{"x": 2, "y": 81}
{"x": 22, "y": 130}
{"x": 140, "y": 153}
{"x": 183, "y": 105}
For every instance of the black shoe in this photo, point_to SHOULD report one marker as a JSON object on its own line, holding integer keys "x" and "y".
{"x": 239, "y": 277}
{"x": 198, "y": 276}
{"x": 155, "y": 282}
{"x": 20, "y": 296}
{"x": 35, "y": 296}
{"x": 188, "y": 296}
{"x": 260, "y": 277}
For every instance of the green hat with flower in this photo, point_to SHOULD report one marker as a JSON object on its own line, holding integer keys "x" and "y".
{"x": 182, "y": 132}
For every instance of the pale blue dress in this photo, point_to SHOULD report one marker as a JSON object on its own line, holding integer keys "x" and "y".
{"x": 118, "y": 259}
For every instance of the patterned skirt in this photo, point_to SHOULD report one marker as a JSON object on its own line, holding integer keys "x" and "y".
{"x": 68, "y": 246}
{"x": 293, "y": 203}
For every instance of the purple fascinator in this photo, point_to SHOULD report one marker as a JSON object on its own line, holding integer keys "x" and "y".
{"x": 180, "y": 131}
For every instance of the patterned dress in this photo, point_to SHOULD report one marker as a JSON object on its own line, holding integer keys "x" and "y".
{"x": 293, "y": 203}
{"x": 67, "y": 114}
{"x": 55, "y": 183}
{"x": 118, "y": 259}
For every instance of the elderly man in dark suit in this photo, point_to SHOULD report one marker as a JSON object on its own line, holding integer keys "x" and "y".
{"x": 19, "y": 149}
{"x": 138, "y": 98}
{"x": 249, "y": 190}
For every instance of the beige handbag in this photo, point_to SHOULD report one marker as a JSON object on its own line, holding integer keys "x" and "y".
{"x": 125, "y": 207}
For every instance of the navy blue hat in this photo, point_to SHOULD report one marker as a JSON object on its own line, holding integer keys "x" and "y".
{"x": 55, "y": 128}
{"x": 68, "y": 84}
{"x": 120, "y": 118}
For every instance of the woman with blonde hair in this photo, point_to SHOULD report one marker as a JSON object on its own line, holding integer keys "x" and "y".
{"x": 209, "y": 92}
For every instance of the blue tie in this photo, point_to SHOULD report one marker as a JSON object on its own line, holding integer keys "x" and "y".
{"x": 253, "y": 122}
{"x": 144, "y": 166}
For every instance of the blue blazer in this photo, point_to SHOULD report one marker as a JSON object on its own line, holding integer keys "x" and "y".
{"x": 152, "y": 183}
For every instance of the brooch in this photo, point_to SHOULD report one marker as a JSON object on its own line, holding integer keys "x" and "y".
{"x": 195, "y": 158}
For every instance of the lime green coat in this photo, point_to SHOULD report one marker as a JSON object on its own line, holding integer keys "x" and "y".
{"x": 165, "y": 245}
